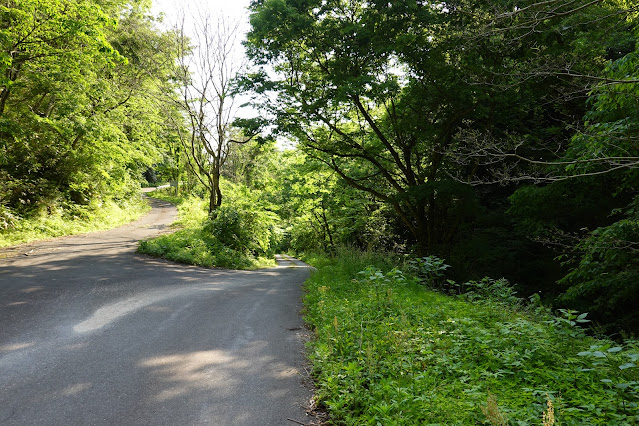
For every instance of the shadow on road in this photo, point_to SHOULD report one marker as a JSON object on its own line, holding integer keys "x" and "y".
{"x": 93, "y": 333}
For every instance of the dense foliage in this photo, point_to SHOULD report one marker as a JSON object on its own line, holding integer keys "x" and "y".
{"x": 77, "y": 123}
{"x": 321, "y": 212}
{"x": 390, "y": 350}
{"x": 500, "y": 135}
{"x": 241, "y": 234}
{"x": 75, "y": 219}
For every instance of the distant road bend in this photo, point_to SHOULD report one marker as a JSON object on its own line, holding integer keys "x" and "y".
{"x": 93, "y": 334}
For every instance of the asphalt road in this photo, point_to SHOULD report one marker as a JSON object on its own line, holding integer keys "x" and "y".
{"x": 93, "y": 334}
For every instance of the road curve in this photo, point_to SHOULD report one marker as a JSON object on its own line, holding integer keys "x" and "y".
{"x": 92, "y": 333}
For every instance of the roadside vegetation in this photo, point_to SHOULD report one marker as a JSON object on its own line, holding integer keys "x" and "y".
{"x": 78, "y": 128}
{"x": 239, "y": 235}
{"x": 395, "y": 343}
{"x": 74, "y": 219}
{"x": 458, "y": 138}
{"x": 500, "y": 137}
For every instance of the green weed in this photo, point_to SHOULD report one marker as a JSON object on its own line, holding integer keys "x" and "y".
{"x": 389, "y": 351}
{"x": 197, "y": 242}
{"x": 74, "y": 219}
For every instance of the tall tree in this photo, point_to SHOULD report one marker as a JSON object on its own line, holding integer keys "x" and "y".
{"x": 74, "y": 101}
{"x": 386, "y": 92}
{"x": 207, "y": 65}
{"x": 564, "y": 47}
{"x": 344, "y": 94}
{"x": 588, "y": 213}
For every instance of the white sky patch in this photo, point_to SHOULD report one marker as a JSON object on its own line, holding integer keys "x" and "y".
{"x": 235, "y": 10}
{"x": 231, "y": 11}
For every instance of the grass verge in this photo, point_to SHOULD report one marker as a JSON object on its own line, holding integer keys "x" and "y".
{"x": 194, "y": 243}
{"x": 388, "y": 351}
{"x": 75, "y": 219}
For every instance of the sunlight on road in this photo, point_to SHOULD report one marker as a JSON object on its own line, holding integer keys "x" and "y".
{"x": 15, "y": 347}
{"x": 184, "y": 372}
{"x": 286, "y": 261}
{"x": 114, "y": 311}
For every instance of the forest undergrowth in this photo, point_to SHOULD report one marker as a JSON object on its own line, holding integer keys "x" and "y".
{"x": 402, "y": 345}
{"x": 237, "y": 237}
{"x": 69, "y": 220}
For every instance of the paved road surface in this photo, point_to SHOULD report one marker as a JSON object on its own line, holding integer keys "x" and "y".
{"x": 93, "y": 334}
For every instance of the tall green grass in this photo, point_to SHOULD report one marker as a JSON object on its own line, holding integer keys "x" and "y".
{"x": 74, "y": 219}
{"x": 388, "y": 351}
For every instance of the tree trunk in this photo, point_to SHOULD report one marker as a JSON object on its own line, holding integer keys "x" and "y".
{"x": 215, "y": 195}
{"x": 327, "y": 227}
{"x": 4, "y": 95}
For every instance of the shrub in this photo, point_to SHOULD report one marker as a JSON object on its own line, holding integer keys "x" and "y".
{"x": 238, "y": 235}
{"x": 7, "y": 218}
{"x": 248, "y": 231}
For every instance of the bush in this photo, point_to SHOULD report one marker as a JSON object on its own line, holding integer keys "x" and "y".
{"x": 7, "y": 218}
{"x": 605, "y": 280}
{"x": 244, "y": 230}
{"x": 195, "y": 247}
{"x": 238, "y": 235}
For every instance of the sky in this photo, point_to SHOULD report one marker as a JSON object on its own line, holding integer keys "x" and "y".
{"x": 236, "y": 9}
{"x": 231, "y": 10}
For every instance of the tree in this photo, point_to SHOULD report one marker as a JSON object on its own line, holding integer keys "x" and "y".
{"x": 588, "y": 212}
{"x": 391, "y": 94}
{"x": 205, "y": 73}
{"x": 76, "y": 121}
{"x": 574, "y": 41}
{"x": 51, "y": 31}
{"x": 47, "y": 46}
{"x": 344, "y": 94}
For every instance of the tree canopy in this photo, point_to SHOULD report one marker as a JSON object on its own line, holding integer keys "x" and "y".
{"x": 501, "y": 135}
{"x": 443, "y": 111}
{"x": 76, "y": 121}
